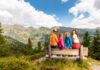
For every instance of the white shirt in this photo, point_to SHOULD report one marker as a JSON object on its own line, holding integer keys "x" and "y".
{"x": 75, "y": 38}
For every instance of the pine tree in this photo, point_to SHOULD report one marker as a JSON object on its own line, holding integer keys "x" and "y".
{"x": 29, "y": 49}
{"x": 30, "y": 43}
{"x": 94, "y": 50}
{"x": 2, "y": 40}
{"x": 39, "y": 46}
{"x": 86, "y": 39}
{"x": 3, "y": 46}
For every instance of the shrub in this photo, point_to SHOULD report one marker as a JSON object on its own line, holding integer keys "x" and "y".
{"x": 36, "y": 56}
{"x": 63, "y": 64}
{"x": 13, "y": 64}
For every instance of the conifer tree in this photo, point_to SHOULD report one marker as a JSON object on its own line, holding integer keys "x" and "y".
{"x": 3, "y": 46}
{"x": 2, "y": 40}
{"x": 86, "y": 39}
{"x": 94, "y": 50}
{"x": 30, "y": 43}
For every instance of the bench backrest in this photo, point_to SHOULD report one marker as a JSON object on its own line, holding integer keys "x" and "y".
{"x": 83, "y": 51}
{"x": 69, "y": 52}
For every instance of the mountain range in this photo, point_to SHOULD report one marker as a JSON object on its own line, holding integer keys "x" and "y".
{"x": 22, "y": 33}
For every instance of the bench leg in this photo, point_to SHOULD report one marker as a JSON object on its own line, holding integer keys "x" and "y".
{"x": 49, "y": 52}
{"x": 81, "y": 53}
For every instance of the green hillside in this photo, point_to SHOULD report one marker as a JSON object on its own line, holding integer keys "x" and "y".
{"x": 22, "y": 33}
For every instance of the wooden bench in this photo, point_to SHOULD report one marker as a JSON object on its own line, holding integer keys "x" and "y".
{"x": 81, "y": 52}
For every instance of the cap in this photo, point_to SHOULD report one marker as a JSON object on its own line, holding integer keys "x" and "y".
{"x": 55, "y": 29}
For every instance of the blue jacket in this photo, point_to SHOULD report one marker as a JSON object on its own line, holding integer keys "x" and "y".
{"x": 68, "y": 42}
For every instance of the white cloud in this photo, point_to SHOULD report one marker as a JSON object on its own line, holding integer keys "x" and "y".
{"x": 64, "y": 1}
{"x": 97, "y": 4}
{"x": 80, "y": 20}
{"x": 5, "y": 14}
{"x": 21, "y": 12}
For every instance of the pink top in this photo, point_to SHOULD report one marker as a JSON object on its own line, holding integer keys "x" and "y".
{"x": 60, "y": 42}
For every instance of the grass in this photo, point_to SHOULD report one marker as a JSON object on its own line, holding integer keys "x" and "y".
{"x": 93, "y": 61}
{"x": 32, "y": 63}
{"x": 13, "y": 63}
{"x": 59, "y": 64}
{"x": 20, "y": 63}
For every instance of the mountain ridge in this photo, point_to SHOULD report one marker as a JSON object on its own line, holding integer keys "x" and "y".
{"x": 22, "y": 33}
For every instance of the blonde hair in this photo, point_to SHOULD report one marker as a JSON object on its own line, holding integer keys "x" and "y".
{"x": 67, "y": 34}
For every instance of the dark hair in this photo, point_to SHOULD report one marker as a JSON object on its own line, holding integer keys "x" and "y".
{"x": 54, "y": 31}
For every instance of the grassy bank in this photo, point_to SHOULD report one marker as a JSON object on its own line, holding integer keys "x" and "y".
{"x": 19, "y": 63}
{"x": 59, "y": 64}
{"x": 31, "y": 63}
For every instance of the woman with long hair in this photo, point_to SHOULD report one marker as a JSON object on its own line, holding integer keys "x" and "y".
{"x": 76, "y": 42}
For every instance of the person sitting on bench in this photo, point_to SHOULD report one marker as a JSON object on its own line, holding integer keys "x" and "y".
{"x": 68, "y": 40}
{"x": 60, "y": 41}
{"x": 76, "y": 42}
{"x": 53, "y": 39}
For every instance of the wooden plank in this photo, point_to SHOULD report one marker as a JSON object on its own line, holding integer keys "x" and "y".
{"x": 65, "y": 52}
{"x": 69, "y": 52}
{"x": 85, "y": 51}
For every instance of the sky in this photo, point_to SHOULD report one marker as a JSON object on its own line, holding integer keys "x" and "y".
{"x": 59, "y": 8}
{"x": 49, "y": 13}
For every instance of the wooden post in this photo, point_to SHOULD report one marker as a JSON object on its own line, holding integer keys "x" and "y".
{"x": 81, "y": 52}
{"x": 49, "y": 51}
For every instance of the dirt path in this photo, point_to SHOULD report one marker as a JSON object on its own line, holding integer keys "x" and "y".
{"x": 95, "y": 64}
{"x": 95, "y": 67}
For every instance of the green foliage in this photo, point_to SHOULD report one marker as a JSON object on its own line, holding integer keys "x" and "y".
{"x": 29, "y": 43}
{"x": 2, "y": 41}
{"x": 46, "y": 44}
{"x": 3, "y": 47}
{"x": 63, "y": 64}
{"x": 86, "y": 40}
{"x": 94, "y": 50}
{"x": 29, "y": 47}
{"x": 21, "y": 50}
{"x": 13, "y": 64}
{"x": 16, "y": 48}
{"x": 12, "y": 47}
{"x": 20, "y": 63}
{"x": 4, "y": 51}
{"x": 36, "y": 56}
{"x": 39, "y": 48}
{"x": 24, "y": 63}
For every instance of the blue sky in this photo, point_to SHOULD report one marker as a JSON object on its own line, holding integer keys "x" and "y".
{"x": 56, "y": 7}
